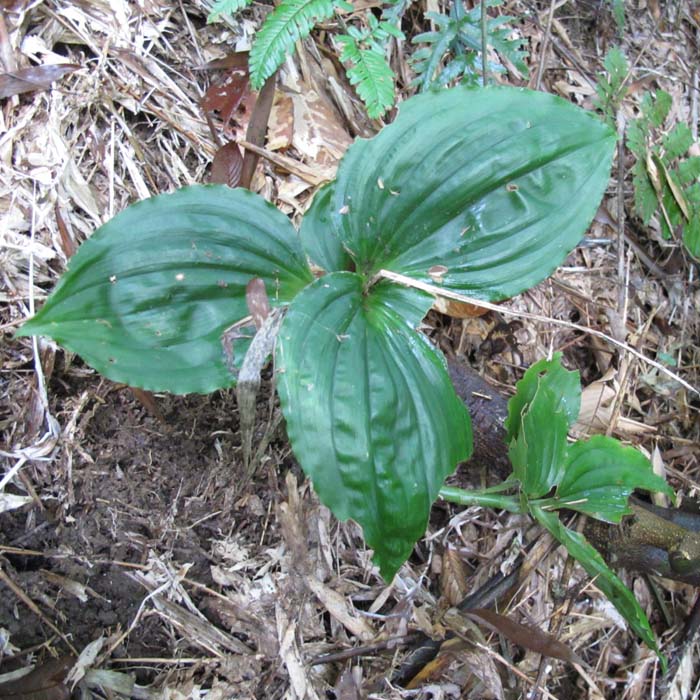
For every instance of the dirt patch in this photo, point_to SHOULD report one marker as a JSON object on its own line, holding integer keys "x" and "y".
{"x": 127, "y": 487}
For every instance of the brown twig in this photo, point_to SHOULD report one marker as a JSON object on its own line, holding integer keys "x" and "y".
{"x": 545, "y": 45}
{"x": 257, "y": 129}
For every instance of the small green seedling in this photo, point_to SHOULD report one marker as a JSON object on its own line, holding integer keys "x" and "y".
{"x": 481, "y": 192}
{"x": 611, "y": 86}
{"x": 594, "y": 476}
{"x": 453, "y": 51}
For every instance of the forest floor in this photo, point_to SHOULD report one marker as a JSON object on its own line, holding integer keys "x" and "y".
{"x": 126, "y": 533}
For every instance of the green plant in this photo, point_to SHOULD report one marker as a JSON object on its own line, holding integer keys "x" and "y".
{"x": 595, "y": 476}
{"x": 485, "y": 202}
{"x": 664, "y": 180}
{"x": 453, "y": 53}
{"x": 618, "y": 10}
{"x": 369, "y": 71}
{"x": 363, "y": 48}
{"x": 454, "y": 50}
{"x": 610, "y": 88}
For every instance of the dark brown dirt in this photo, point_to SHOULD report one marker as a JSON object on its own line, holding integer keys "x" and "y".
{"x": 138, "y": 485}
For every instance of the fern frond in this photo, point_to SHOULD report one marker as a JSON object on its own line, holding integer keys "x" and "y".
{"x": 371, "y": 75}
{"x": 226, "y": 7}
{"x": 510, "y": 49}
{"x": 286, "y": 24}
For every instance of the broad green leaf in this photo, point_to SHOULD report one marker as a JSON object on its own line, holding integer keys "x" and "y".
{"x": 498, "y": 190}
{"x": 605, "y": 579}
{"x": 599, "y": 476}
{"x": 146, "y": 299}
{"x": 317, "y": 237}
{"x": 371, "y": 413}
{"x": 539, "y": 450}
{"x": 290, "y": 21}
{"x": 564, "y": 384}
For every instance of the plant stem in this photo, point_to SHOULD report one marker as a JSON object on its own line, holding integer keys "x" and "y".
{"x": 484, "y": 45}
{"x": 480, "y": 498}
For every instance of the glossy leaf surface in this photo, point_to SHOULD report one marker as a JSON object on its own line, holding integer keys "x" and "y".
{"x": 564, "y": 384}
{"x": 499, "y": 189}
{"x": 538, "y": 452}
{"x": 323, "y": 249}
{"x": 599, "y": 476}
{"x": 146, "y": 299}
{"x": 370, "y": 410}
{"x": 605, "y": 579}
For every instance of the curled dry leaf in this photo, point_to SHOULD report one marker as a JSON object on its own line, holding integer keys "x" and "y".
{"x": 597, "y": 401}
{"x": 248, "y": 384}
{"x": 227, "y": 166}
{"x": 33, "y": 78}
{"x": 85, "y": 660}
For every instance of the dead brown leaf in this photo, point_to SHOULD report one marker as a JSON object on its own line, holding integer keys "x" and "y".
{"x": 281, "y": 128}
{"x": 227, "y": 165}
{"x": 458, "y": 309}
{"x": 527, "y": 636}
{"x": 45, "y": 682}
{"x": 226, "y": 95}
{"x": 33, "y": 78}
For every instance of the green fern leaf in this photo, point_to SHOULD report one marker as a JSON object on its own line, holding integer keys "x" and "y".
{"x": 637, "y": 133}
{"x": 656, "y": 106}
{"x": 426, "y": 61}
{"x": 677, "y": 141}
{"x": 288, "y": 22}
{"x": 226, "y": 7}
{"x": 370, "y": 74}
{"x": 645, "y": 199}
{"x": 511, "y": 49}
{"x": 689, "y": 170}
